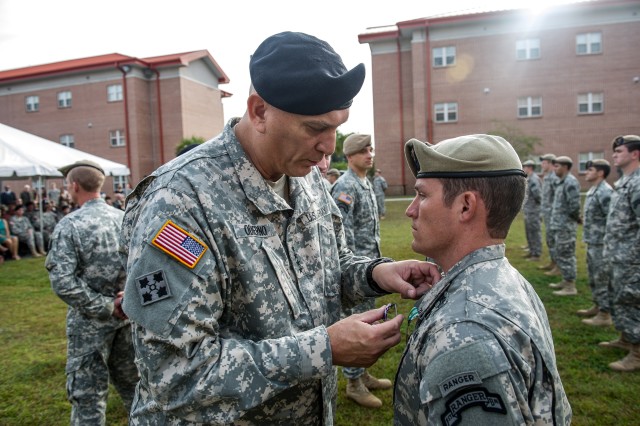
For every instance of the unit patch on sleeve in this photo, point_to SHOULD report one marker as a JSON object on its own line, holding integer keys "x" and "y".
{"x": 153, "y": 287}
{"x": 458, "y": 381}
{"x": 468, "y": 398}
{"x": 345, "y": 198}
{"x": 179, "y": 244}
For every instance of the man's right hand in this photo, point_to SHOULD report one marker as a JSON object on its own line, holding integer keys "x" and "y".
{"x": 359, "y": 340}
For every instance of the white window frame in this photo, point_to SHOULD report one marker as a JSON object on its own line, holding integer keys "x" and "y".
{"x": 68, "y": 140}
{"x": 530, "y": 106}
{"x": 64, "y": 99}
{"x": 32, "y": 103}
{"x": 528, "y": 49}
{"x": 448, "y": 112}
{"x": 583, "y": 157}
{"x": 114, "y": 93}
{"x": 116, "y": 138}
{"x": 593, "y": 101}
{"x": 589, "y": 43}
{"x": 119, "y": 180}
{"x": 444, "y": 56}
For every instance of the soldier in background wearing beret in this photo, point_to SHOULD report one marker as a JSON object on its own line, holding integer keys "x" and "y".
{"x": 482, "y": 351}
{"x": 86, "y": 273}
{"x": 596, "y": 209}
{"x": 622, "y": 248}
{"x": 353, "y": 193}
{"x": 565, "y": 217}
{"x": 548, "y": 185}
{"x": 237, "y": 262}
{"x": 531, "y": 210}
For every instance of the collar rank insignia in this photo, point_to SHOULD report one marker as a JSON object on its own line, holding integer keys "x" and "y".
{"x": 179, "y": 244}
{"x": 153, "y": 287}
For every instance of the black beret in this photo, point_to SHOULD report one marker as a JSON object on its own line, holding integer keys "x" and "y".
{"x": 301, "y": 74}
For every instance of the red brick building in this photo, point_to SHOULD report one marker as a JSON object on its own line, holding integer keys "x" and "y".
{"x": 130, "y": 110}
{"x": 569, "y": 76}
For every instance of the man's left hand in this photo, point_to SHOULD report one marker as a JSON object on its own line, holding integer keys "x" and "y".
{"x": 410, "y": 278}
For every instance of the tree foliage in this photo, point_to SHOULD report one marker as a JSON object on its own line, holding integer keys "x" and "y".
{"x": 524, "y": 145}
{"x": 185, "y": 142}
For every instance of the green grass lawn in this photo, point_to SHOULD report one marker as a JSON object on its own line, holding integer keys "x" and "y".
{"x": 33, "y": 345}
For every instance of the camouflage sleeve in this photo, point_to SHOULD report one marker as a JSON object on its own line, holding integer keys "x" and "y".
{"x": 345, "y": 199}
{"x": 634, "y": 193}
{"x": 573, "y": 199}
{"x": 193, "y": 353}
{"x": 536, "y": 191}
{"x": 62, "y": 264}
{"x": 605, "y": 201}
{"x": 479, "y": 380}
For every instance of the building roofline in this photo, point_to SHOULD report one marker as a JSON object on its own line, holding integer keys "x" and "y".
{"x": 112, "y": 60}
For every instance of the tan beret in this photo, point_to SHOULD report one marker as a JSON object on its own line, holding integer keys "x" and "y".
{"x": 530, "y": 163}
{"x": 625, "y": 140}
{"x": 548, "y": 157}
{"x": 333, "y": 172}
{"x": 563, "y": 159}
{"x": 355, "y": 143}
{"x": 85, "y": 163}
{"x": 598, "y": 162}
{"x": 464, "y": 156}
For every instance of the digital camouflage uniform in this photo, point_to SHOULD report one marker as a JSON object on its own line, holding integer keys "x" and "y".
{"x": 531, "y": 209}
{"x": 481, "y": 353}
{"x": 379, "y": 187}
{"x": 546, "y": 205}
{"x": 565, "y": 215}
{"x": 596, "y": 208}
{"x": 231, "y": 328}
{"x": 622, "y": 248}
{"x": 357, "y": 203}
{"x": 86, "y": 273}
{"x": 21, "y": 227}
{"x": 49, "y": 221}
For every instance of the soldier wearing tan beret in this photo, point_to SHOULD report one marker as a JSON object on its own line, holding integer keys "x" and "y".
{"x": 481, "y": 350}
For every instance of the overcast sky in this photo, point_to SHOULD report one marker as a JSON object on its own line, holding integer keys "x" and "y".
{"x": 35, "y": 32}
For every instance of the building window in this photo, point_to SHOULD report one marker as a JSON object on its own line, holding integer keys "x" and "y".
{"x": 68, "y": 141}
{"x": 119, "y": 182}
{"x": 64, "y": 99}
{"x": 114, "y": 93}
{"x": 116, "y": 138}
{"x": 590, "y": 103}
{"x": 445, "y": 113}
{"x": 528, "y": 49}
{"x": 32, "y": 103}
{"x": 588, "y": 156}
{"x": 444, "y": 56}
{"x": 531, "y": 106}
{"x": 589, "y": 43}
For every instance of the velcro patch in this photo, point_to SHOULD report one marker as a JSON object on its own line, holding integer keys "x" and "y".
{"x": 153, "y": 287}
{"x": 345, "y": 198}
{"x": 468, "y": 398}
{"x": 179, "y": 244}
{"x": 458, "y": 381}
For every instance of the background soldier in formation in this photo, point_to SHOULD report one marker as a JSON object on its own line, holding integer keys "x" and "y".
{"x": 379, "y": 188}
{"x": 357, "y": 203}
{"x": 596, "y": 209}
{"x": 531, "y": 209}
{"x": 86, "y": 273}
{"x": 565, "y": 216}
{"x": 238, "y": 268}
{"x": 482, "y": 351}
{"x": 622, "y": 249}
{"x": 546, "y": 205}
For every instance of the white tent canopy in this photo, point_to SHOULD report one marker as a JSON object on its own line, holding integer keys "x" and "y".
{"x": 24, "y": 155}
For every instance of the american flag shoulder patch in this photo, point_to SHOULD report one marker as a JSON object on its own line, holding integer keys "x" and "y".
{"x": 179, "y": 244}
{"x": 345, "y": 198}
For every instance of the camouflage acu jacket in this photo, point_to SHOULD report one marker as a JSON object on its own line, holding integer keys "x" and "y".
{"x": 622, "y": 236}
